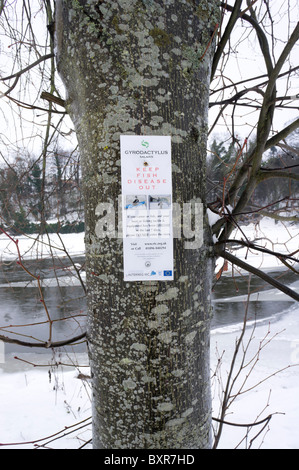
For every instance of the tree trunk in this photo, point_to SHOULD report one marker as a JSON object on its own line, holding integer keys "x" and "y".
{"x": 142, "y": 67}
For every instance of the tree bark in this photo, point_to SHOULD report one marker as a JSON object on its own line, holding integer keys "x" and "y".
{"x": 142, "y": 67}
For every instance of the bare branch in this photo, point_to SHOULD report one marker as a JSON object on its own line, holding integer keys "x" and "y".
{"x": 253, "y": 246}
{"x": 52, "y": 98}
{"x": 283, "y": 218}
{"x": 64, "y": 432}
{"x": 17, "y": 75}
{"x": 236, "y": 97}
{"x": 282, "y": 134}
{"x": 242, "y": 173}
{"x": 267, "y": 110}
{"x": 2, "y": 5}
{"x": 226, "y": 35}
{"x": 261, "y": 37}
{"x": 43, "y": 344}
{"x": 249, "y": 425}
{"x": 263, "y": 175}
{"x": 21, "y": 104}
{"x": 270, "y": 280}
{"x": 38, "y": 61}
{"x": 241, "y": 82}
{"x": 263, "y": 129}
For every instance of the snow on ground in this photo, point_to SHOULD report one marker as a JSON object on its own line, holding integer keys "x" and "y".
{"x": 34, "y": 405}
{"x": 277, "y": 338}
{"x": 36, "y": 247}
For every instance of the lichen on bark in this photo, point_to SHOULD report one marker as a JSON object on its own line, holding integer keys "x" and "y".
{"x": 132, "y": 66}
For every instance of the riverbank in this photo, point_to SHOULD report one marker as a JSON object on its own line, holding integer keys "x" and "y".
{"x": 280, "y": 237}
{"x": 36, "y": 402}
{"x": 41, "y": 246}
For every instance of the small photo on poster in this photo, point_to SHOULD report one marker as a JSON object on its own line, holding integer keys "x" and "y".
{"x": 136, "y": 202}
{"x": 160, "y": 202}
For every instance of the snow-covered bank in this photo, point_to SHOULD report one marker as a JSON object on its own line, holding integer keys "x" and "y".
{"x": 277, "y": 338}
{"x": 37, "y": 403}
{"x": 280, "y": 237}
{"x": 34, "y": 405}
{"x": 45, "y": 246}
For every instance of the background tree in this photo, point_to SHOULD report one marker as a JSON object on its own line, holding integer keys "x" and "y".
{"x": 219, "y": 165}
{"x": 134, "y": 67}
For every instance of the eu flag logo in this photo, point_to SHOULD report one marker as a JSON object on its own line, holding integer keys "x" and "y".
{"x": 167, "y": 273}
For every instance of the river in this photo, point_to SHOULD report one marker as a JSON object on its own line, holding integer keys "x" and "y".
{"x": 23, "y": 313}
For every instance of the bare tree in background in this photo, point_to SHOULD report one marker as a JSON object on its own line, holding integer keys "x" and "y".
{"x": 151, "y": 68}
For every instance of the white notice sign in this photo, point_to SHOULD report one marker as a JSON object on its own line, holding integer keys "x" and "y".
{"x": 147, "y": 207}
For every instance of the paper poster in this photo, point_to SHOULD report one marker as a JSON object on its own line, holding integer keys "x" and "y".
{"x": 147, "y": 207}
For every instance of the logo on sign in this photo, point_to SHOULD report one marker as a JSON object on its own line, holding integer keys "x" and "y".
{"x": 145, "y": 144}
